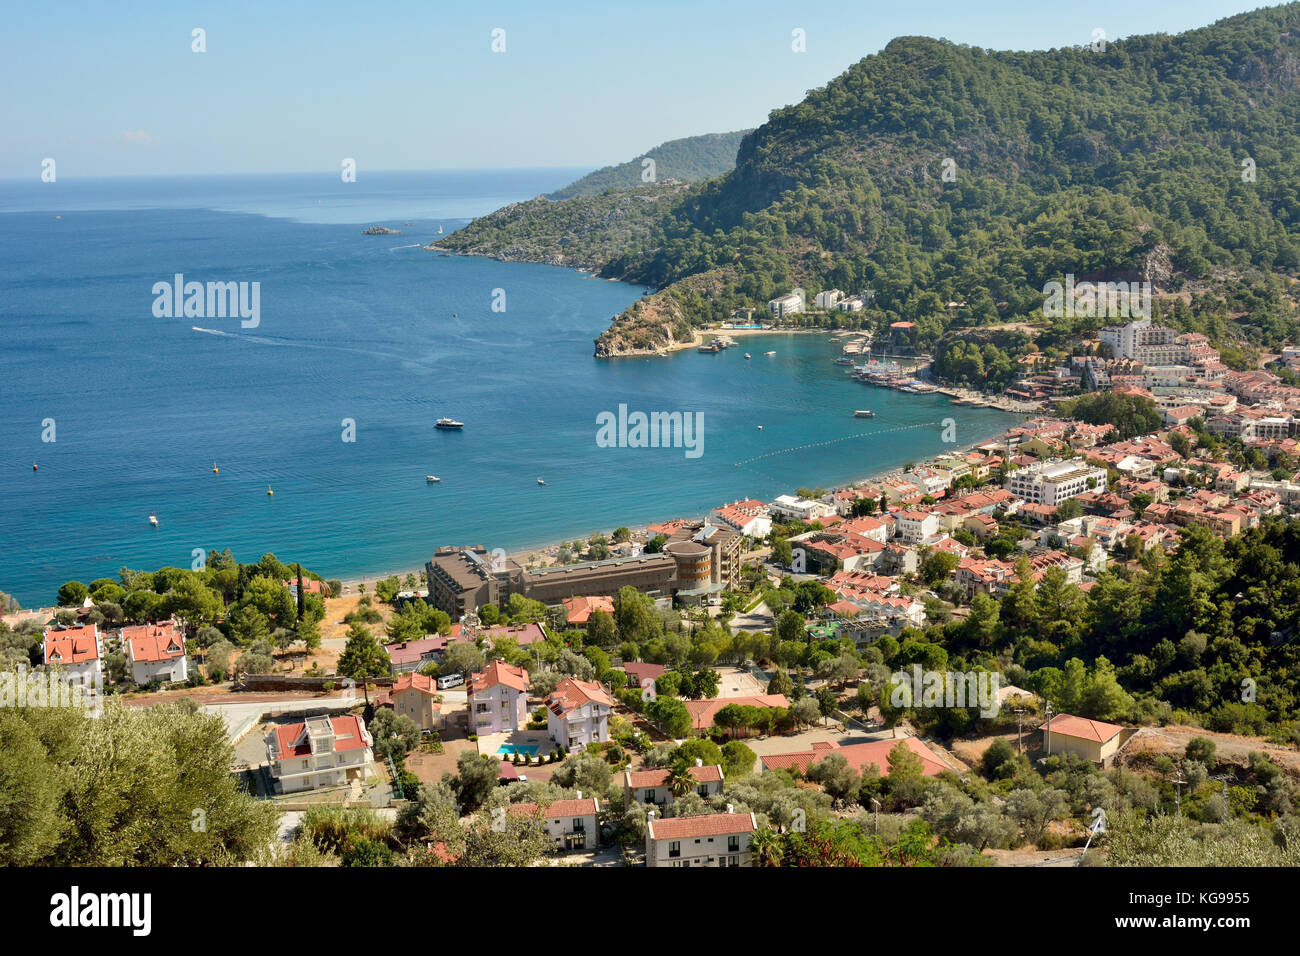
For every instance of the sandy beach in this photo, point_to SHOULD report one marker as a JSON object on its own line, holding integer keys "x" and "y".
{"x": 543, "y": 555}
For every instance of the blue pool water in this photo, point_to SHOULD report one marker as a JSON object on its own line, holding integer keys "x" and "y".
{"x": 527, "y": 750}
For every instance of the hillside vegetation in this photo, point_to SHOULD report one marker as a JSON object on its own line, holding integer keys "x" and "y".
{"x": 1128, "y": 163}
{"x": 690, "y": 160}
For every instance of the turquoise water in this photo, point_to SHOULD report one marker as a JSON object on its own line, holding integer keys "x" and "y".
{"x": 526, "y": 750}
{"x": 374, "y": 330}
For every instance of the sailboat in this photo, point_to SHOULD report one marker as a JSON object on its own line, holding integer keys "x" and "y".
{"x": 215, "y": 469}
{"x": 440, "y": 229}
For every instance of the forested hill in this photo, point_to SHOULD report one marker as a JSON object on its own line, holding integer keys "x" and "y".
{"x": 689, "y": 160}
{"x": 1131, "y": 161}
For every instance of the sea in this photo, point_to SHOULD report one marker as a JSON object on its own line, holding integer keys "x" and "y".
{"x": 361, "y": 343}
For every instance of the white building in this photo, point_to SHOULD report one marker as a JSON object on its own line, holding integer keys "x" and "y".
{"x": 318, "y": 752}
{"x": 792, "y": 508}
{"x": 498, "y": 699}
{"x": 156, "y": 652}
{"x": 714, "y": 839}
{"x": 915, "y": 527}
{"x": 1145, "y": 343}
{"x": 1052, "y": 481}
{"x": 791, "y": 303}
{"x": 77, "y": 650}
{"x": 932, "y": 480}
{"x": 577, "y": 713}
{"x": 829, "y": 299}
{"x": 571, "y": 824}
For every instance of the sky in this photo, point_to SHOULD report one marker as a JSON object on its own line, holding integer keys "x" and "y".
{"x": 117, "y": 89}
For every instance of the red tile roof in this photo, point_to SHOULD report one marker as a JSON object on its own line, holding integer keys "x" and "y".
{"x": 422, "y": 683}
{"x": 859, "y": 756}
{"x": 573, "y": 693}
{"x": 710, "y": 824}
{"x": 658, "y": 778}
{"x": 154, "y": 642}
{"x": 581, "y": 608}
{"x": 291, "y": 739}
{"x": 560, "y": 808}
{"x": 1083, "y": 728}
{"x": 499, "y": 672}
{"x": 72, "y": 645}
{"x": 703, "y": 711}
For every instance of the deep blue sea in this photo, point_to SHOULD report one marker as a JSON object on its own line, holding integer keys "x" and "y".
{"x": 376, "y": 330}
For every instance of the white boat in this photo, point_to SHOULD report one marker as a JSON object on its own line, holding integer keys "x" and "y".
{"x": 770, "y": 353}
{"x": 540, "y": 482}
{"x": 432, "y": 478}
{"x": 760, "y": 427}
{"x": 864, "y": 413}
{"x": 448, "y": 423}
{"x": 746, "y": 355}
{"x": 153, "y": 520}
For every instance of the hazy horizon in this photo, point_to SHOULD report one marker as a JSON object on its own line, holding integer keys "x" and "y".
{"x": 109, "y": 93}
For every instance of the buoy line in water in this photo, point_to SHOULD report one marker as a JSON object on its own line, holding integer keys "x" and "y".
{"x": 834, "y": 441}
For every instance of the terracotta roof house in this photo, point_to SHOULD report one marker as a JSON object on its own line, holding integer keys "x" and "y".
{"x": 859, "y": 756}
{"x": 580, "y": 608}
{"x": 416, "y": 696}
{"x": 76, "y": 650}
{"x": 156, "y": 652}
{"x": 715, "y": 839}
{"x": 497, "y": 697}
{"x": 577, "y": 713}
{"x": 318, "y": 752}
{"x": 703, "y": 711}
{"x": 571, "y": 824}
{"x": 651, "y": 786}
{"x": 1093, "y": 740}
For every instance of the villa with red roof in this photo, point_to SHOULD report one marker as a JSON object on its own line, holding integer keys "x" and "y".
{"x": 156, "y": 652}
{"x": 859, "y": 756}
{"x": 1093, "y": 740}
{"x": 651, "y": 786}
{"x": 643, "y": 675}
{"x": 318, "y": 752}
{"x": 77, "y": 651}
{"x": 416, "y": 696}
{"x": 580, "y": 608}
{"x": 577, "y": 713}
{"x": 571, "y": 824}
{"x": 714, "y": 839}
{"x": 498, "y": 699}
{"x": 703, "y": 711}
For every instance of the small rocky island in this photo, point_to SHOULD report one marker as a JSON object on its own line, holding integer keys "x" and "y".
{"x": 381, "y": 231}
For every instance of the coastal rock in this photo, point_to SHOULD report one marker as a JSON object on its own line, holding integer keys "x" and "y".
{"x": 381, "y": 231}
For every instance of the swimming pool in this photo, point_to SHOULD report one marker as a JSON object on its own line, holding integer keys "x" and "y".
{"x": 524, "y": 750}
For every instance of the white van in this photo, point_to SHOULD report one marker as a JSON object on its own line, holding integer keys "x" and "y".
{"x": 450, "y": 680}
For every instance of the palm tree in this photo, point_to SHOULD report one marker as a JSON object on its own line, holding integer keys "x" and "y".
{"x": 766, "y": 847}
{"x": 680, "y": 781}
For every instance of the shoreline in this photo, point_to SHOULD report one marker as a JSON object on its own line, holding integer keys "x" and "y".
{"x": 547, "y": 549}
